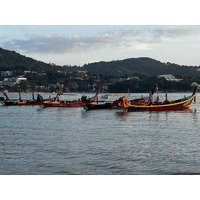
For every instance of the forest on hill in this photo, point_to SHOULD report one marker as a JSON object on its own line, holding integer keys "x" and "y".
{"x": 13, "y": 61}
{"x": 133, "y": 74}
{"x": 144, "y": 66}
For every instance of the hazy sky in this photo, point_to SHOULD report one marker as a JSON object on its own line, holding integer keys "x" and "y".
{"x": 80, "y": 44}
{"x": 101, "y": 37}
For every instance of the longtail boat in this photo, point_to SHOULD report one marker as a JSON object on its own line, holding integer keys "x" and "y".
{"x": 144, "y": 100}
{"x": 141, "y": 101}
{"x": 34, "y": 102}
{"x": 76, "y": 103}
{"x": 122, "y": 102}
{"x": 179, "y": 104}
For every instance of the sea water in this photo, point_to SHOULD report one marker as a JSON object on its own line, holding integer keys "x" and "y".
{"x": 73, "y": 141}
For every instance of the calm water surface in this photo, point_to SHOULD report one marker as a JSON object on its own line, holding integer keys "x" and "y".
{"x": 34, "y": 140}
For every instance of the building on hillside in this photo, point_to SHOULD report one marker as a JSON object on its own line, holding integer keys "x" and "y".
{"x": 27, "y": 72}
{"x": 40, "y": 87}
{"x": 6, "y": 73}
{"x": 169, "y": 77}
{"x": 115, "y": 80}
{"x": 83, "y": 71}
{"x": 9, "y": 81}
{"x": 19, "y": 80}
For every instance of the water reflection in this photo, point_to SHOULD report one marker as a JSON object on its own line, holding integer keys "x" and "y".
{"x": 40, "y": 109}
{"x": 85, "y": 113}
{"x": 112, "y": 141}
{"x": 123, "y": 115}
{"x": 195, "y": 117}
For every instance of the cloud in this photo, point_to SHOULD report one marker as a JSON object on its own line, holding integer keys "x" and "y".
{"x": 160, "y": 36}
{"x": 61, "y": 44}
{"x": 132, "y": 37}
{"x": 176, "y": 32}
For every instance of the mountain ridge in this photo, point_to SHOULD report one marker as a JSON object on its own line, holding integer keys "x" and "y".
{"x": 138, "y": 75}
{"x": 141, "y": 65}
{"x": 11, "y": 60}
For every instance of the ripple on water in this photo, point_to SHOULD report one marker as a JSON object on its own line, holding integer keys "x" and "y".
{"x": 34, "y": 140}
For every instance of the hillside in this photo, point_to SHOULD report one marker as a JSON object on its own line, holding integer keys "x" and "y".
{"x": 40, "y": 76}
{"x": 144, "y": 66}
{"x": 10, "y": 60}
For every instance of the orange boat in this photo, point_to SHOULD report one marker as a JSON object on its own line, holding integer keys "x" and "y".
{"x": 76, "y": 103}
{"x": 179, "y": 104}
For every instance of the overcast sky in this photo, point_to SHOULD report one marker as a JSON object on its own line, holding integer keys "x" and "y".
{"x": 28, "y": 30}
{"x": 80, "y": 44}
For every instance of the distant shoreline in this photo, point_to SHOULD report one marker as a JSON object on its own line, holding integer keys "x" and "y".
{"x": 75, "y": 94}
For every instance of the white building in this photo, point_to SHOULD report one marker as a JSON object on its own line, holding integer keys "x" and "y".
{"x": 169, "y": 77}
{"x": 18, "y": 80}
{"x": 9, "y": 81}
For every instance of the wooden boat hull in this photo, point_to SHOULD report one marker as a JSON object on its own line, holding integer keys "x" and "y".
{"x": 23, "y": 103}
{"x": 115, "y": 104}
{"x": 28, "y": 102}
{"x": 100, "y": 106}
{"x": 71, "y": 103}
{"x": 183, "y": 104}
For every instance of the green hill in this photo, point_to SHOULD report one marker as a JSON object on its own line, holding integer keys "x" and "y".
{"x": 41, "y": 76}
{"x": 51, "y": 77}
{"x": 10, "y": 60}
{"x": 144, "y": 66}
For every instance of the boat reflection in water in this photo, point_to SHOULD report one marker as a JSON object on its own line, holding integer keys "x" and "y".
{"x": 123, "y": 116}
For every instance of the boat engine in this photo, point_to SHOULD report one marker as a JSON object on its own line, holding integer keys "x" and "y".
{"x": 1, "y": 99}
{"x": 84, "y": 98}
{"x": 39, "y": 97}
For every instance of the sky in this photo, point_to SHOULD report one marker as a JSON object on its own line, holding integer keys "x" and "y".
{"x": 82, "y": 44}
{"x": 80, "y": 32}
